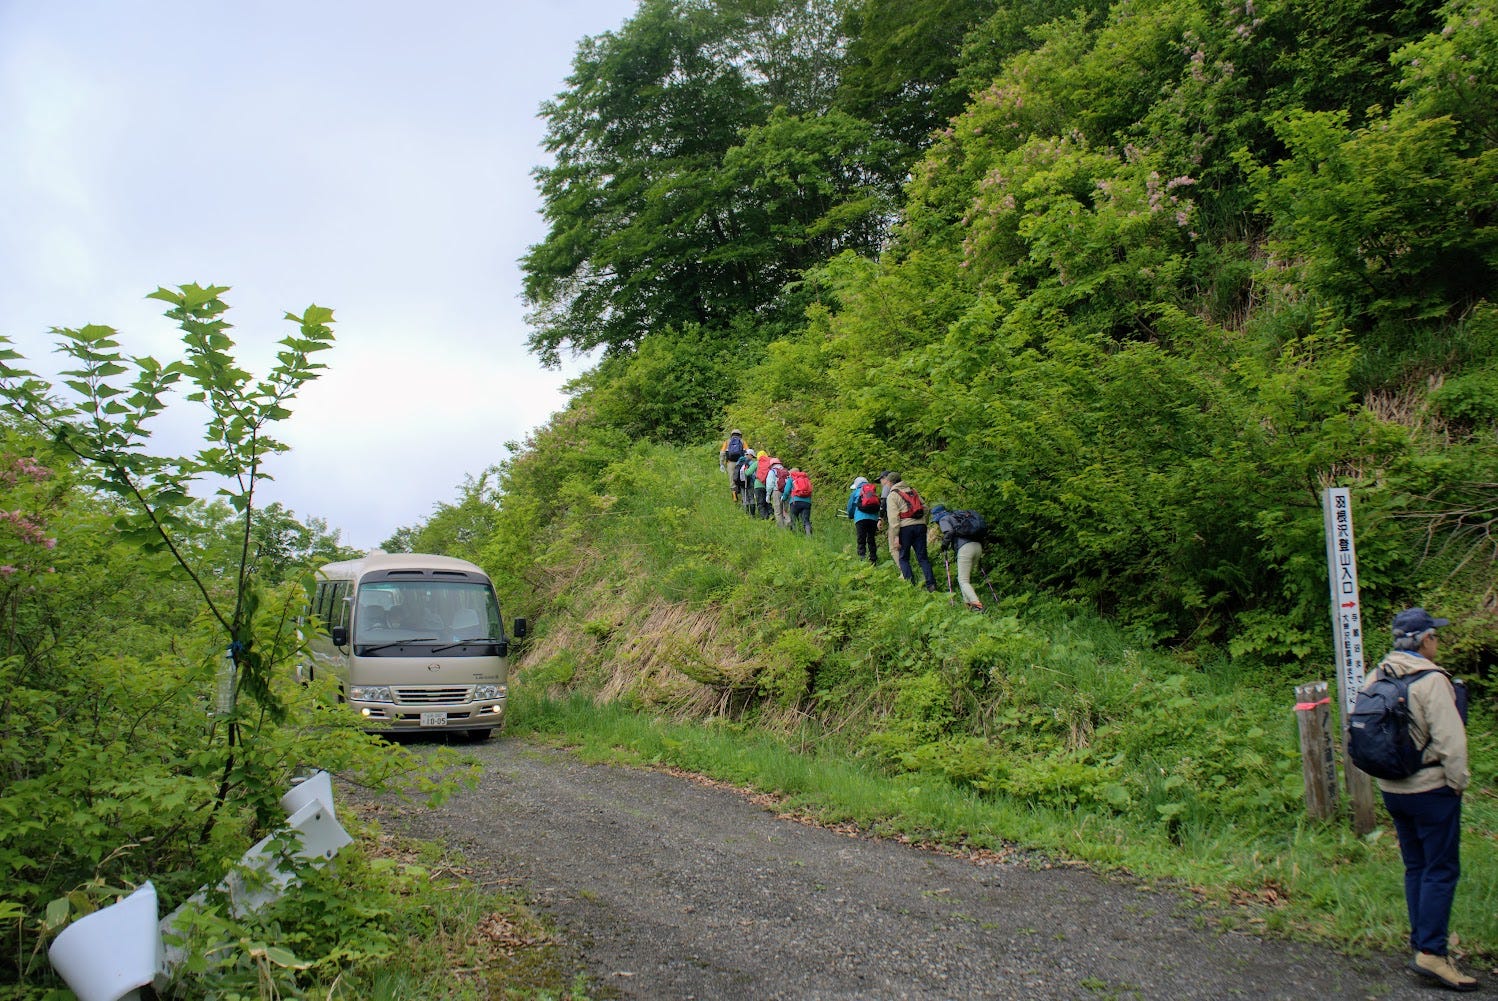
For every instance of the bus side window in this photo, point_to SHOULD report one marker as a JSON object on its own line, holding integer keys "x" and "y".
{"x": 338, "y": 614}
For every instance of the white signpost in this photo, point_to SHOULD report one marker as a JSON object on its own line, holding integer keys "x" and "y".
{"x": 1347, "y": 623}
{"x": 1342, "y": 574}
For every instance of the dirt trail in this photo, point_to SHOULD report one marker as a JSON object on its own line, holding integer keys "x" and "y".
{"x": 670, "y": 888}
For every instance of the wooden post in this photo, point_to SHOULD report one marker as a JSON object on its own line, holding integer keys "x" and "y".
{"x": 1317, "y": 762}
{"x": 1360, "y": 794}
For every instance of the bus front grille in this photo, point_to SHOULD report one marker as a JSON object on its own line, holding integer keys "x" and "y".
{"x": 432, "y": 696}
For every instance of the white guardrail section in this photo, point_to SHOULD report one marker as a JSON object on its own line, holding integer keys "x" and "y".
{"x": 112, "y": 953}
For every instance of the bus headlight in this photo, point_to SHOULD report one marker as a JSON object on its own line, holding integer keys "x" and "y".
{"x": 482, "y": 693}
{"x": 369, "y": 693}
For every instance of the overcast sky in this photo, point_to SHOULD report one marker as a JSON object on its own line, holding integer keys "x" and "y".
{"x": 370, "y": 156}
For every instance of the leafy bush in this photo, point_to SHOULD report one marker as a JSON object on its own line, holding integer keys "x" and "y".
{"x": 1469, "y": 399}
{"x": 790, "y": 662}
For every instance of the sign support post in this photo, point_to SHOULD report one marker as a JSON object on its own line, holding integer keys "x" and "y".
{"x": 1347, "y": 623}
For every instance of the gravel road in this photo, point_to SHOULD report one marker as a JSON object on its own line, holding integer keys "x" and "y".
{"x": 669, "y": 888}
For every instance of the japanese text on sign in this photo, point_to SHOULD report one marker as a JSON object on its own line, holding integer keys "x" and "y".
{"x": 1342, "y": 574}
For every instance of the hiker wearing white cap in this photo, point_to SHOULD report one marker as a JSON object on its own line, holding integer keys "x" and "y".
{"x": 864, "y": 507}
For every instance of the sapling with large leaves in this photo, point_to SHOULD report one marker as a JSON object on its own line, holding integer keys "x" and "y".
{"x": 104, "y": 418}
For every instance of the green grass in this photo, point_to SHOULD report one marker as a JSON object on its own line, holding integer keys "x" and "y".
{"x": 454, "y": 941}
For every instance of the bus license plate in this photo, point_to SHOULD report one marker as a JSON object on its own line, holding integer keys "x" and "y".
{"x": 434, "y": 719}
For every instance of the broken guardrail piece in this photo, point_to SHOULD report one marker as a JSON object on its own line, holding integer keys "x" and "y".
{"x": 112, "y": 953}
{"x": 258, "y": 877}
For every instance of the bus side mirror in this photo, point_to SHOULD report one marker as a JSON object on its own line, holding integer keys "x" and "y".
{"x": 340, "y": 635}
{"x": 518, "y": 628}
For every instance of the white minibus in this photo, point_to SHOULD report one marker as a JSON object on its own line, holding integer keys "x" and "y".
{"x": 415, "y": 642}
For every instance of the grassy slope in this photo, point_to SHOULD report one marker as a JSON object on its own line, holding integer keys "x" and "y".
{"x": 777, "y": 661}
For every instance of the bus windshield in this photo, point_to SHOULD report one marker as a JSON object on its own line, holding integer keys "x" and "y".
{"x": 425, "y": 611}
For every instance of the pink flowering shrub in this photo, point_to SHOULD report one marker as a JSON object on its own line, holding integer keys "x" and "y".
{"x": 29, "y": 494}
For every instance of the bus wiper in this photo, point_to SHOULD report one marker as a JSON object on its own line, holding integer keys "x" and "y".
{"x": 476, "y": 639}
{"x": 414, "y": 639}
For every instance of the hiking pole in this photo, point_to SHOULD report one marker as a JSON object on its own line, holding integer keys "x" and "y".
{"x": 946, "y": 559}
{"x": 990, "y": 587}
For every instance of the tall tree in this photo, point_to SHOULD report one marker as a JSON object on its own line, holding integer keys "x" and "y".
{"x": 653, "y": 223}
{"x": 901, "y": 67}
{"x": 636, "y": 137}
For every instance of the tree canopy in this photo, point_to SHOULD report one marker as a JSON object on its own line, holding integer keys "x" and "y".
{"x": 698, "y": 166}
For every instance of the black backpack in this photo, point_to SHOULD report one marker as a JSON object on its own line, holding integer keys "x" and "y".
{"x": 969, "y": 525}
{"x": 1378, "y": 729}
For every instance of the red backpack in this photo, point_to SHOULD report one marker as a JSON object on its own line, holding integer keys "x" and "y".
{"x": 914, "y": 506}
{"x": 800, "y": 484}
{"x": 868, "y": 498}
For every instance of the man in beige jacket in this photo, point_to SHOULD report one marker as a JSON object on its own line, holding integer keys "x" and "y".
{"x": 905, "y": 514}
{"x": 1426, "y": 807}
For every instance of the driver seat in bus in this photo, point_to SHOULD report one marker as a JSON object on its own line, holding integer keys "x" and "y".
{"x": 466, "y": 622}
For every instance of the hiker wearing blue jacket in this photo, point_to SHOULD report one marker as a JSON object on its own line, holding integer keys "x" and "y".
{"x": 865, "y": 515}
{"x": 797, "y": 495}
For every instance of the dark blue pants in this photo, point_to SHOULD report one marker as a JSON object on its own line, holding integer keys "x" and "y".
{"x": 913, "y": 537}
{"x": 866, "y": 535}
{"x": 1429, "y": 825}
{"x": 801, "y": 514}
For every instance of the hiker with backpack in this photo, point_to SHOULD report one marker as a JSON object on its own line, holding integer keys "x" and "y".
{"x": 894, "y": 552}
{"x": 797, "y": 496}
{"x": 1424, "y": 795}
{"x": 863, "y": 508}
{"x": 774, "y": 484}
{"x": 745, "y": 466}
{"x": 761, "y": 473}
{"x": 905, "y": 513}
{"x": 961, "y": 532}
{"x": 732, "y": 450}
